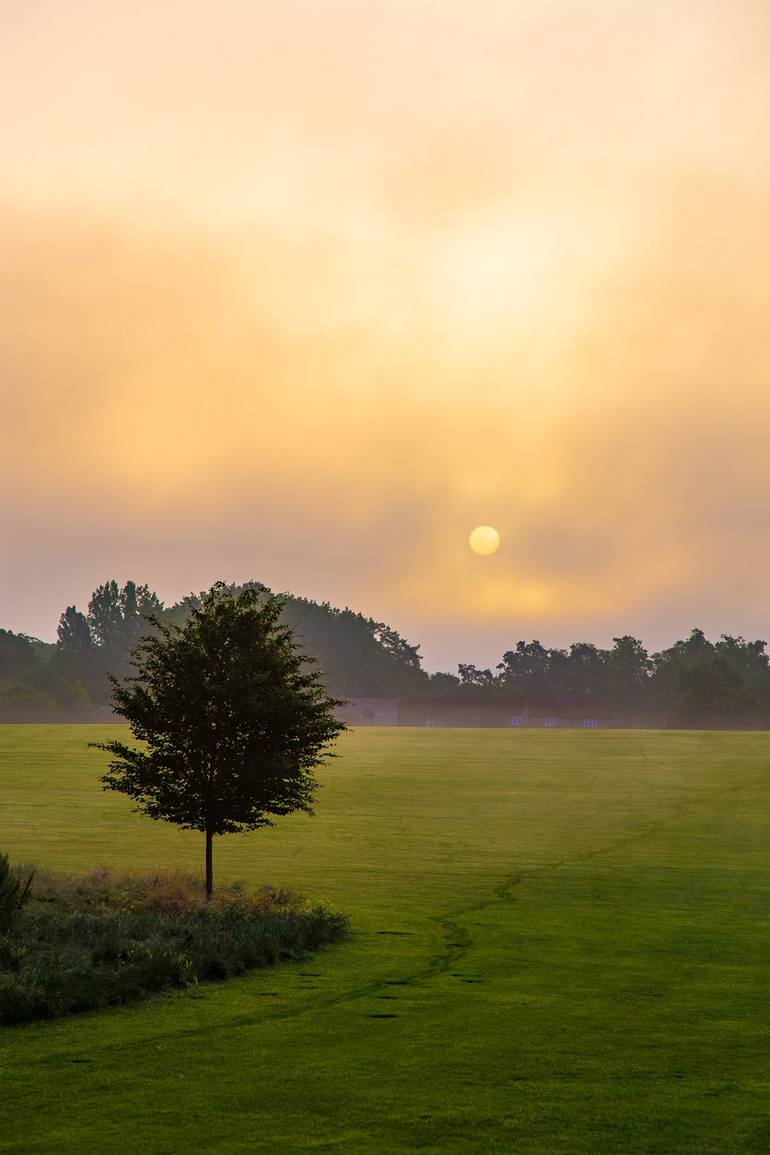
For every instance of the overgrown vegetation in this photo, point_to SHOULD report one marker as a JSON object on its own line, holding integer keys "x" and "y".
{"x": 70, "y": 944}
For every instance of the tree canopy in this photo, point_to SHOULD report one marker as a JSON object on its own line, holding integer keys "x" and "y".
{"x": 232, "y": 716}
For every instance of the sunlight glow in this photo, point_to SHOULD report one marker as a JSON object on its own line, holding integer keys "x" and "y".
{"x": 484, "y": 540}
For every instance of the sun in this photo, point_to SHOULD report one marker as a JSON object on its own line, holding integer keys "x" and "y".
{"x": 484, "y": 540}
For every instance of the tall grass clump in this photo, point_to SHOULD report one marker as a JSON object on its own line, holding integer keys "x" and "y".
{"x": 70, "y": 944}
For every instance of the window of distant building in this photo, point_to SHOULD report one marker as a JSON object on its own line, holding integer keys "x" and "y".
{"x": 550, "y": 721}
{"x": 517, "y": 720}
{"x": 590, "y": 723}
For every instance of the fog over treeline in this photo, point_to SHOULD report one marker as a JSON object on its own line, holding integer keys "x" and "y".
{"x": 693, "y": 683}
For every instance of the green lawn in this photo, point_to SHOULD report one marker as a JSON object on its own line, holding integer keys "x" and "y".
{"x": 562, "y": 946}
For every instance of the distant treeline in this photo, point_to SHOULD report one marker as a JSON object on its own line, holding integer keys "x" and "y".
{"x": 67, "y": 680}
{"x": 693, "y": 683}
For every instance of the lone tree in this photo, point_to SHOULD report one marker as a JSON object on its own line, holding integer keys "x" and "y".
{"x": 232, "y": 716}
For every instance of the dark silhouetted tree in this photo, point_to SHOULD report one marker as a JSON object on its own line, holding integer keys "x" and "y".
{"x": 93, "y": 645}
{"x": 586, "y": 669}
{"x": 669, "y": 668}
{"x": 714, "y": 695}
{"x": 33, "y": 687}
{"x": 527, "y": 668}
{"x": 471, "y": 675}
{"x": 76, "y": 652}
{"x": 750, "y": 660}
{"x": 74, "y": 634}
{"x": 357, "y": 656}
{"x": 444, "y": 684}
{"x": 117, "y": 618}
{"x": 629, "y": 673}
{"x": 232, "y": 717}
{"x": 18, "y": 654}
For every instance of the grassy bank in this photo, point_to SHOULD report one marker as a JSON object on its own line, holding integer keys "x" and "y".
{"x": 562, "y": 946}
{"x": 81, "y": 943}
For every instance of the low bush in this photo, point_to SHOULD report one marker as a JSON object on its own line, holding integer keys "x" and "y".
{"x": 13, "y": 894}
{"x": 82, "y": 943}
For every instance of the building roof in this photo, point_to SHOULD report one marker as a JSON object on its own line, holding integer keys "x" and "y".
{"x": 565, "y": 706}
{"x": 568, "y": 706}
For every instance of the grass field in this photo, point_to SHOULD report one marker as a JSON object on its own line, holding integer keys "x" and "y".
{"x": 562, "y": 946}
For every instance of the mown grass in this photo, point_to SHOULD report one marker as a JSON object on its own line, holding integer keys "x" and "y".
{"x": 562, "y": 945}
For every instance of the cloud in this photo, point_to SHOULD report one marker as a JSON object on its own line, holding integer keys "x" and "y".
{"x": 149, "y": 391}
{"x": 310, "y": 295}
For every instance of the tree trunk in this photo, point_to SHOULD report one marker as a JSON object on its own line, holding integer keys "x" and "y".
{"x": 209, "y": 866}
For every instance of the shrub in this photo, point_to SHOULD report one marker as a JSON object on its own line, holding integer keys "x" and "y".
{"x": 13, "y": 894}
{"x": 101, "y": 939}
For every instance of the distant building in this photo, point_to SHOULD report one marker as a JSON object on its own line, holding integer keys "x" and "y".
{"x": 453, "y": 711}
{"x": 573, "y": 711}
{"x": 369, "y": 712}
{"x": 581, "y": 711}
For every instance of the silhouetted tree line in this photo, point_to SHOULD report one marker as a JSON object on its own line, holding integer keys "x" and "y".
{"x": 694, "y": 683}
{"x": 67, "y": 680}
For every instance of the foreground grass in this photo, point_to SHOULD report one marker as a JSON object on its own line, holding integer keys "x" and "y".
{"x": 563, "y": 943}
{"x": 81, "y": 943}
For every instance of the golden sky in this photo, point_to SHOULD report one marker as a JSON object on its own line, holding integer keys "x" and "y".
{"x": 304, "y": 290}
